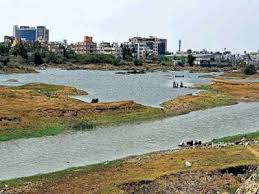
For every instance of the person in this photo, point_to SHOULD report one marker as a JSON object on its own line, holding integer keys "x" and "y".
{"x": 174, "y": 84}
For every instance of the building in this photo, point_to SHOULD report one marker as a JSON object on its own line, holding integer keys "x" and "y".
{"x": 42, "y": 34}
{"x": 110, "y": 48}
{"x": 56, "y": 47}
{"x": 151, "y": 47}
{"x": 8, "y": 40}
{"x": 31, "y": 34}
{"x": 85, "y": 47}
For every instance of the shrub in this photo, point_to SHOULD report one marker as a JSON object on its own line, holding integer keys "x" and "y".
{"x": 138, "y": 62}
{"x": 250, "y": 70}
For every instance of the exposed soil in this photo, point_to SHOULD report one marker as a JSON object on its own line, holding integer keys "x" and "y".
{"x": 218, "y": 181}
{"x": 16, "y": 69}
{"x": 146, "y": 67}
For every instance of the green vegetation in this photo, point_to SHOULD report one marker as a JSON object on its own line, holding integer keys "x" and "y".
{"x": 231, "y": 139}
{"x": 45, "y": 131}
{"x": 250, "y": 70}
{"x": 25, "y": 53}
{"x": 191, "y": 59}
{"x": 165, "y": 60}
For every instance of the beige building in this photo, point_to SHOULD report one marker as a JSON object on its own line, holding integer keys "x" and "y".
{"x": 85, "y": 47}
{"x": 109, "y": 48}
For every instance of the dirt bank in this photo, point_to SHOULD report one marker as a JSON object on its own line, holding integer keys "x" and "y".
{"x": 153, "y": 173}
{"x": 146, "y": 67}
{"x": 16, "y": 69}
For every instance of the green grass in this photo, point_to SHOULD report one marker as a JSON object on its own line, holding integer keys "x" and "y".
{"x": 129, "y": 117}
{"x": 83, "y": 124}
{"x": 214, "y": 99}
{"x": 231, "y": 139}
{"x": 48, "y": 131}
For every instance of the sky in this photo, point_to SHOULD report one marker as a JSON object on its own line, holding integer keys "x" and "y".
{"x": 200, "y": 24}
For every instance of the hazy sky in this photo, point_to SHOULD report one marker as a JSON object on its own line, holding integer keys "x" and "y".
{"x": 211, "y": 24}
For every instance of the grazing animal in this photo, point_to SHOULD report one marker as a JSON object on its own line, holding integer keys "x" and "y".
{"x": 95, "y": 100}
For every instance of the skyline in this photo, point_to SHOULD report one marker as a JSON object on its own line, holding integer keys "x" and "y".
{"x": 225, "y": 27}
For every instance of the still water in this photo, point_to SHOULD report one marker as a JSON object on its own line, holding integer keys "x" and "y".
{"x": 149, "y": 89}
{"x": 28, "y": 157}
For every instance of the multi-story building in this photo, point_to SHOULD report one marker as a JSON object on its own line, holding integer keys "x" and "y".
{"x": 110, "y": 48}
{"x": 42, "y": 34}
{"x": 85, "y": 47}
{"x": 8, "y": 40}
{"x": 152, "y": 47}
{"x": 56, "y": 47}
{"x": 31, "y": 34}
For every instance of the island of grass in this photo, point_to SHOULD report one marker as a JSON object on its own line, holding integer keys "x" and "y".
{"x": 36, "y": 110}
{"x": 219, "y": 93}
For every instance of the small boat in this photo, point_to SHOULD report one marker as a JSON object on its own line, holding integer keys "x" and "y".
{"x": 179, "y": 76}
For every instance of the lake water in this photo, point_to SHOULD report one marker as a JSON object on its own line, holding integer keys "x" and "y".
{"x": 148, "y": 89}
{"x": 28, "y": 157}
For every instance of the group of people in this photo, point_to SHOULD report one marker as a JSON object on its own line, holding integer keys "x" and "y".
{"x": 177, "y": 85}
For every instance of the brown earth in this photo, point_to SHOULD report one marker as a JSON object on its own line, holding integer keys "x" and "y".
{"x": 16, "y": 69}
{"x": 147, "y": 67}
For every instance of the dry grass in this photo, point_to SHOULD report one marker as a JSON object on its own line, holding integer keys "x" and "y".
{"x": 40, "y": 109}
{"x": 108, "y": 178}
{"x": 220, "y": 93}
{"x": 239, "y": 75}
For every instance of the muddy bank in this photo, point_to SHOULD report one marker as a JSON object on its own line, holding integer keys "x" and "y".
{"x": 145, "y": 67}
{"x": 16, "y": 69}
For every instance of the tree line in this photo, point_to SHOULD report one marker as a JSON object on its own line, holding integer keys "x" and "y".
{"x": 36, "y": 54}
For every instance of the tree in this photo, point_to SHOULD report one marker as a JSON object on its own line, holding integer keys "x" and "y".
{"x": 138, "y": 62}
{"x": 127, "y": 53}
{"x": 38, "y": 60}
{"x": 250, "y": 70}
{"x": 3, "y": 49}
{"x": 191, "y": 60}
{"x": 189, "y": 51}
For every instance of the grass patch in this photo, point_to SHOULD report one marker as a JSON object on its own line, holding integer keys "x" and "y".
{"x": 48, "y": 131}
{"x": 231, "y": 139}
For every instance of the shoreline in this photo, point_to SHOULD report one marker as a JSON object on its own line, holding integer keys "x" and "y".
{"x": 144, "y": 163}
{"x": 109, "y": 67}
{"x": 145, "y": 67}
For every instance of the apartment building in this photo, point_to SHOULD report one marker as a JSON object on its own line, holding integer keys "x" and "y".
{"x": 109, "y": 48}
{"x": 151, "y": 47}
{"x": 85, "y": 47}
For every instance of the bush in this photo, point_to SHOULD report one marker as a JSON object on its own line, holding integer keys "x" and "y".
{"x": 250, "y": 70}
{"x": 138, "y": 62}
